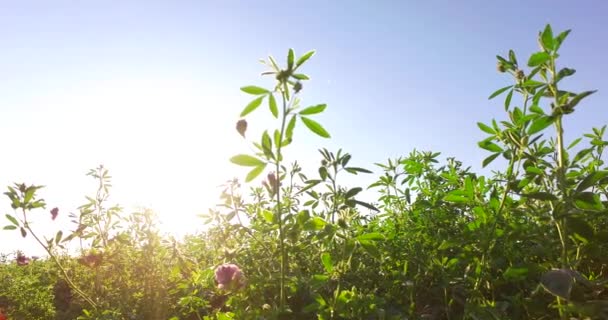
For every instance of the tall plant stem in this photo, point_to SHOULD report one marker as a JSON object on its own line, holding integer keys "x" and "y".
{"x": 277, "y": 188}
{"x": 512, "y": 172}
{"x": 61, "y": 268}
{"x": 561, "y": 169}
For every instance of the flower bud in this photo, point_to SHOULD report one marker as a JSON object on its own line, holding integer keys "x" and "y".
{"x": 501, "y": 67}
{"x": 22, "y": 260}
{"x": 273, "y": 182}
{"x": 241, "y": 127}
{"x": 229, "y": 276}
{"x": 54, "y": 213}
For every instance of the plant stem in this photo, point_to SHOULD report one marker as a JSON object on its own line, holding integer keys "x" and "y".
{"x": 279, "y": 207}
{"x": 561, "y": 170}
{"x": 61, "y": 268}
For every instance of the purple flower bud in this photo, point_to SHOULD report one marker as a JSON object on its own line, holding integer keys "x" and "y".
{"x": 228, "y": 275}
{"x": 241, "y": 127}
{"x": 54, "y": 213}
{"x": 22, "y": 260}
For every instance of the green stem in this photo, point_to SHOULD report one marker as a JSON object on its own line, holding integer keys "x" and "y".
{"x": 561, "y": 170}
{"x": 61, "y": 268}
{"x": 279, "y": 206}
{"x": 512, "y": 171}
{"x": 334, "y": 186}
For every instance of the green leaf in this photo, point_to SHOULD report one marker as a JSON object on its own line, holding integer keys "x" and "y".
{"x": 272, "y": 104}
{"x": 574, "y": 143}
{"x": 255, "y": 172}
{"x": 16, "y": 203}
{"x": 37, "y": 204}
{"x": 536, "y": 109}
{"x": 538, "y": 58}
{"x": 58, "y": 236}
{"x": 580, "y": 227}
{"x": 302, "y": 217}
{"x": 313, "y": 109}
{"x": 274, "y": 63}
{"x": 345, "y": 159}
{"x": 247, "y": 161}
{"x": 252, "y": 106}
{"x": 290, "y": 126}
{"x": 366, "y": 205}
{"x": 534, "y": 170}
{"x": 540, "y": 124}
{"x": 355, "y": 170}
{"x": 315, "y": 127}
{"x": 323, "y": 173}
{"x": 512, "y": 58}
{"x": 456, "y": 198}
{"x": 372, "y": 236}
{"x": 572, "y": 103}
{"x": 327, "y": 263}
{"x": 564, "y": 72}
{"x": 290, "y": 58}
{"x": 225, "y": 316}
{"x": 560, "y": 39}
{"x": 352, "y": 192}
{"x": 531, "y": 83}
{"x": 29, "y": 194}
{"x": 309, "y": 184}
{"x": 503, "y": 60}
{"x": 316, "y": 223}
{"x": 277, "y": 137}
{"x": 540, "y": 196}
{"x": 582, "y": 154}
{"x": 371, "y": 248}
{"x": 254, "y": 90}
{"x": 547, "y": 38}
{"x": 268, "y": 216}
{"x": 267, "y": 145}
{"x": 485, "y": 128}
{"x": 490, "y": 146}
{"x": 515, "y": 274}
{"x": 590, "y": 180}
{"x": 9, "y": 227}
{"x": 499, "y": 91}
{"x": 12, "y": 219}
{"x": 489, "y": 159}
{"x": 588, "y": 201}
{"x": 305, "y": 57}
{"x": 508, "y": 99}
{"x": 300, "y": 76}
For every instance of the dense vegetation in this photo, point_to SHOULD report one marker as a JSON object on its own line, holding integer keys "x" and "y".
{"x": 441, "y": 242}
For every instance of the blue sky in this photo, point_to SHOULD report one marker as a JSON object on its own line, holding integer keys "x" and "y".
{"x": 150, "y": 89}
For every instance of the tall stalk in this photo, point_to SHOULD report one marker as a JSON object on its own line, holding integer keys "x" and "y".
{"x": 285, "y": 98}
{"x": 561, "y": 170}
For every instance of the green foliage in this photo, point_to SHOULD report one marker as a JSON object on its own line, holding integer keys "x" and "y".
{"x": 441, "y": 242}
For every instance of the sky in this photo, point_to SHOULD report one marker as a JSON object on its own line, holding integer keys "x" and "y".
{"x": 150, "y": 89}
